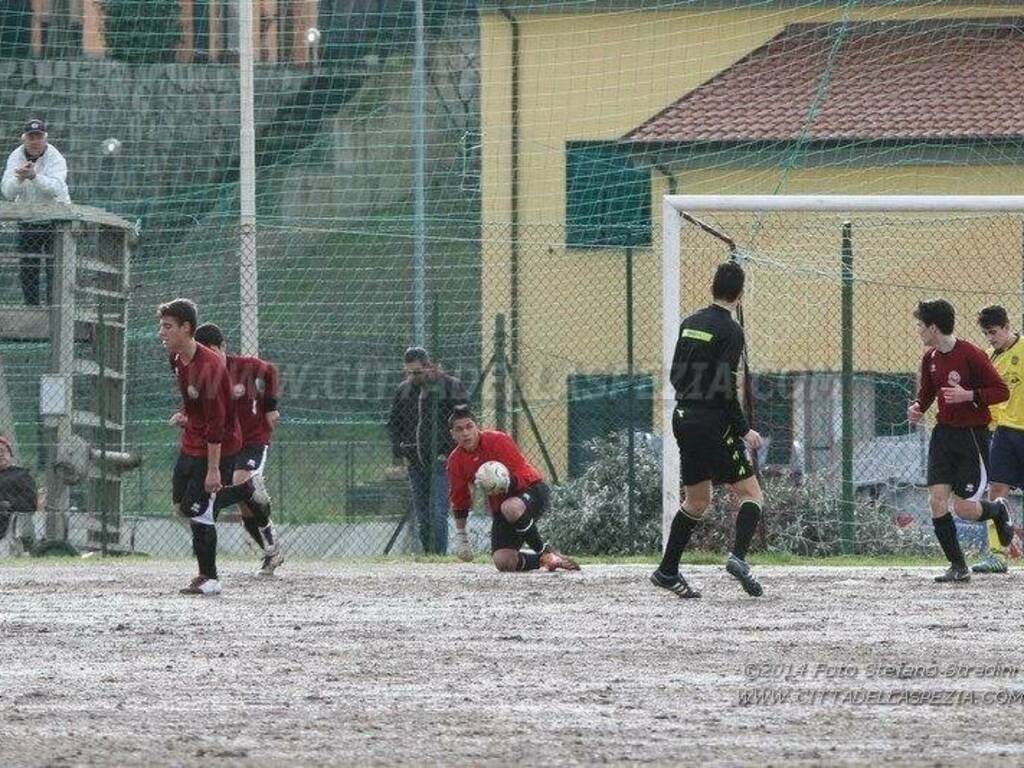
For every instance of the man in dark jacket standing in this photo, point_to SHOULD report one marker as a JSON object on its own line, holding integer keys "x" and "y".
{"x": 418, "y": 427}
{"x": 17, "y": 488}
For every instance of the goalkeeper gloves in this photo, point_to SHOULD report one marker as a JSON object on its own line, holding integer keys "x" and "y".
{"x": 463, "y": 549}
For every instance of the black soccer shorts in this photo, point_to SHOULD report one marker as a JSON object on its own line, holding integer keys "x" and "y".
{"x": 251, "y": 459}
{"x": 958, "y": 457}
{"x": 504, "y": 535}
{"x": 708, "y": 448}
{"x": 188, "y": 483}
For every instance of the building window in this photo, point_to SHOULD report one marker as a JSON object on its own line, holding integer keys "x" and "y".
{"x": 608, "y": 197}
{"x": 773, "y": 414}
{"x": 599, "y": 406}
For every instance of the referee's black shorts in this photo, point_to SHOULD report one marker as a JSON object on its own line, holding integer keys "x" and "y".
{"x": 708, "y": 448}
{"x": 958, "y": 457}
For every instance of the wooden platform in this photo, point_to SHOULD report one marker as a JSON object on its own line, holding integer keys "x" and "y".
{"x": 31, "y": 324}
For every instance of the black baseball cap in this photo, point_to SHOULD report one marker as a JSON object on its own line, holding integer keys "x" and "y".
{"x": 35, "y": 125}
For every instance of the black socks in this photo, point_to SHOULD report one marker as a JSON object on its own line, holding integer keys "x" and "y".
{"x": 945, "y": 532}
{"x": 528, "y": 561}
{"x": 746, "y": 526}
{"x": 678, "y": 538}
{"x": 990, "y": 510}
{"x": 253, "y": 528}
{"x": 204, "y": 544}
{"x": 526, "y": 527}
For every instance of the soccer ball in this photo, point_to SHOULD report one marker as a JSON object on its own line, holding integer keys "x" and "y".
{"x": 492, "y": 477}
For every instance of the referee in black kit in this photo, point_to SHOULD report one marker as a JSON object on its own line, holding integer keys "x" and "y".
{"x": 711, "y": 431}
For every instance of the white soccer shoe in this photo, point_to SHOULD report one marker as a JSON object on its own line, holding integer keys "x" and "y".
{"x": 201, "y": 585}
{"x": 463, "y": 549}
{"x": 259, "y": 490}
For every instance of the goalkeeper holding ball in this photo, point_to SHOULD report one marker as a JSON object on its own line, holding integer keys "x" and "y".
{"x": 516, "y": 495}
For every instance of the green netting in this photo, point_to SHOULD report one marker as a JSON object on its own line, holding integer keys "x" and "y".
{"x": 546, "y": 133}
{"x": 812, "y": 276}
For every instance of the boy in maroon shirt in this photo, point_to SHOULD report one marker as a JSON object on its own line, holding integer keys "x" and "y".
{"x": 963, "y": 380}
{"x": 254, "y": 410}
{"x": 514, "y": 510}
{"x": 198, "y": 488}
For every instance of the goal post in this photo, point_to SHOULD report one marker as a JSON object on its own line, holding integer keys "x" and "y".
{"x": 780, "y": 235}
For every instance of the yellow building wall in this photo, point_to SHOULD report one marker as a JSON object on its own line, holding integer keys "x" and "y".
{"x": 792, "y": 308}
{"x": 595, "y": 76}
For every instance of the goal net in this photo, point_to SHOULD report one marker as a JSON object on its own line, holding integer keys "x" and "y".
{"x": 832, "y": 355}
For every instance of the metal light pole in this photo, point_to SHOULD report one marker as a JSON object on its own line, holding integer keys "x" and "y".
{"x": 419, "y": 155}
{"x": 248, "y": 278}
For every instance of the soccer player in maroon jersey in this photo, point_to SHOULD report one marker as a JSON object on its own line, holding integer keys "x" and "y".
{"x": 198, "y": 487}
{"x": 963, "y": 380}
{"x": 254, "y": 406}
{"x": 514, "y": 511}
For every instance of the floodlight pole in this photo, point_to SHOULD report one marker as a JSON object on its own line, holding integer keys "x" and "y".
{"x": 419, "y": 152}
{"x": 247, "y": 273}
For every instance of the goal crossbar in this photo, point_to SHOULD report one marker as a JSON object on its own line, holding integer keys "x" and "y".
{"x": 766, "y": 203}
{"x": 673, "y": 206}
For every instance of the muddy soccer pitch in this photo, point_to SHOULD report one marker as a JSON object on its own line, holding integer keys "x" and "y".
{"x": 415, "y": 663}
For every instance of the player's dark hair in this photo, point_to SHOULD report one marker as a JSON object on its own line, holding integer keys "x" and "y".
{"x": 209, "y": 335}
{"x": 993, "y": 316}
{"x": 728, "y": 282}
{"x": 937, "y": 312}
{"x": 182, "y": 310}
{"x": 461, "y": 411}
{"x": 417, "y": 355}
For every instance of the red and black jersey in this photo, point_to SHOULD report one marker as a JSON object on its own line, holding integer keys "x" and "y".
{"x": 254, "y": 390}
{"x": 206, "y": 402}
{"x": 494, "y": 446}
{"x": 968, "y": 366}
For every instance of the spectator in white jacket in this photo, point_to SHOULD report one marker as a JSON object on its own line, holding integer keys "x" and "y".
{"x": 35, "y": 173}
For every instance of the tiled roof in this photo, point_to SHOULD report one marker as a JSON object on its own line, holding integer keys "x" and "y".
{"x": 924, "y": 79}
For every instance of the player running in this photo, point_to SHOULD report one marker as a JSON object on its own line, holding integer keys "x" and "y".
{"x": 514, "y": 510}
{"x": 254, "y": 405}
{"x": 712, "y": 433}
{"x": 198, "y": 489}
{"x": 961, "y": 377}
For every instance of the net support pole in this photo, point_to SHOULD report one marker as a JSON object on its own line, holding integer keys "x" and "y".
{"x": 671, "y": 282}
{"x": 846, "y": 524}
{"x": 419, "y": 154}
{"x": 500, "y": 374}
{"x": 248, "y": 278}
{"x": 631, "y": 405}
{"x": 103, "y": 400}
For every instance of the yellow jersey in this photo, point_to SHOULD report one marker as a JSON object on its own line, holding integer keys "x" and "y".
{"x": 1010, "y": 364}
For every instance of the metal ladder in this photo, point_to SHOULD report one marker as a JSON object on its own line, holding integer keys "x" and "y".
{"x": 83, "y": 395}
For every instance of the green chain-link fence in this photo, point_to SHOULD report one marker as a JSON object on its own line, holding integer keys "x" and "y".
{"x": 513, "y": 152}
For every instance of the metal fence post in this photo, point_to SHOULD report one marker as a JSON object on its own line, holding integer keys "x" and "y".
{"x": 630, "y": 405}
{"x": 847, "y": 532}
{"x": 500, "y": 375}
